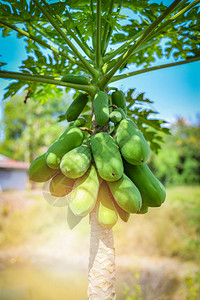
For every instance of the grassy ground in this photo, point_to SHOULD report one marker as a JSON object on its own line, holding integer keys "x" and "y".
{"x": 171, "y": 231}
{"x": 157, "y": 254}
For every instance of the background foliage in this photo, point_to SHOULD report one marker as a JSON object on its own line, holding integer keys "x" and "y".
{"x": 178, "y": 163}
{"x": 28, "y": 129}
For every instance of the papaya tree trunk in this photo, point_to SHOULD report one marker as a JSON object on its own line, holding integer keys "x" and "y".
{"x": 101, "y": 262}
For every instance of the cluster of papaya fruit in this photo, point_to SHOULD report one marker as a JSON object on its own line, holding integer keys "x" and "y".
{"x": 106, "y": 170}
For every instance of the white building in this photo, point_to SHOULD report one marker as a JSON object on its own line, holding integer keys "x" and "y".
{"x": 13, "y": 174}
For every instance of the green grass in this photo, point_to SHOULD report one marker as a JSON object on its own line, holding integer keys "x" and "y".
{"x": 171, "y": 230}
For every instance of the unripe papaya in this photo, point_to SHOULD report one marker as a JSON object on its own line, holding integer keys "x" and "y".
{"x": 101, "y": 108}
{"x": 80, "y": 122}
{"x": 133, "y": 146}
{"x": 60, "y": 185}
{"x": 84, "y": 195}
{"x": 106, "y": 211}
{"x": 115, "y": 116}
{"x": 76, "y": 162}
{"x": 106, "y": 156}
{"x": 119, "y": 100}
{"x": 75, "y": 78}
{"x": 39, "y": 171}
{"x": 122, "y": 112}
{"x": 151, "y": 189}
{"x": 76, "y": 107}
{"x": 71, "y": 138}
{"x": 124, "y": 215}
{"x": 143, "y": 210}
{"x": 126, "y": 194}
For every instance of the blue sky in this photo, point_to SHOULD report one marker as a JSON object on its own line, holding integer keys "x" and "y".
{"x": 175, "y": 91}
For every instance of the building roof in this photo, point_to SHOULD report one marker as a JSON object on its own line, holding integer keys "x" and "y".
{"x": 8, "y": 163}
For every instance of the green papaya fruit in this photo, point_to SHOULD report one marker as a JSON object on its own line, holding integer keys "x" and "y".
{"x": 119, "y": 100}
{"x": 151, "y": 189}
{"x": 76, "y": 162}
{"x": 84, "y": 195}
{"x": 115, "y": 116}
{"x": 122, "y": 112}
{"x": 71, "y": 138}
{"x": 134, "y": 148}
{"x": 143, "y": 210}
{"x": 39, "y": 171}
{"x": 60, "y": 185}
{"x": 126, "y": 194}
{"x": 106, "y": 212}
{"x": 106, "y": 156}
{"x": 101, "y": 108}
{"x": 76, "y": 107}
{"x": 75, "y": 78}
{"x": 80, "y": 122}
{"x": 124, "y": 215}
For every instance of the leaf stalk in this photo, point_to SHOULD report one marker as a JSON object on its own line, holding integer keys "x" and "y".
{"x": 71, "y": 33}
{"x": 119, "y": 77}
{"x": 89, "y": 67}
{"x": 98, "y": 36}
{"x": 45, "y": 79}
{"x": 104, "y": 81}
{"x": 40, "y": 42}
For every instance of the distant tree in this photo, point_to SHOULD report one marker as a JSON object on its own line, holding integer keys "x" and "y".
{"x": 28, "y": 129}
{"x": 178, "y": 162}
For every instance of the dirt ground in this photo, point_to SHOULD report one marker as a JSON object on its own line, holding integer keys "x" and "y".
{"x": 50, "y": 261}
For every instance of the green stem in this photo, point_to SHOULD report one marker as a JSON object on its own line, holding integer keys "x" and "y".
{"x": 89, "y": 67}
{"x": 48, "y": 37}
{"x": 81, "y": 45}
{"x": 78, "y": 31}
{"x": 98, "y": 36}
{"x": 40, "y": 42}
{"x": 111, "y": 27}
{"x": 127, "y": 43}
{"x": 44, "y": 79}
{"x": 122, "y": 47}
{"x": 146, "y": 33}
{"x": 113, "y": 62}
{"x": 93, "y": 22}
{"x": 156, "y": 31}
{"x": 172, "y": 19}
{"x": 107, "y": 26}
{"x": 119, "y": 77}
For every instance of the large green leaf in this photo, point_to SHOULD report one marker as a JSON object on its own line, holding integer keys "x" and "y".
{"x": 180, "y": 39}
{"x": 140, "y": 110}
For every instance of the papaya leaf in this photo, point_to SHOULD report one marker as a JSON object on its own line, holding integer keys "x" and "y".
{"x": 142, "y": 116}
{"x": 72, "y": 220}
{"x": 2, "y": 64}
{"x": 61, "y": 118}
{"x": 13, "y": 88}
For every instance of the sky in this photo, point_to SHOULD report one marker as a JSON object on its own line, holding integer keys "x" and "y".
{"x": 175, "y": 91}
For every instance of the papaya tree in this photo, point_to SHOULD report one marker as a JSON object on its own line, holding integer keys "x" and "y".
{"x": 98, "y": 163}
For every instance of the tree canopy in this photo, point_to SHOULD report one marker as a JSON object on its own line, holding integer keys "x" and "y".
{"x": 100, "y": 40}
